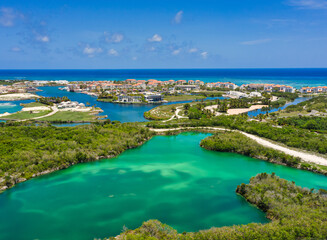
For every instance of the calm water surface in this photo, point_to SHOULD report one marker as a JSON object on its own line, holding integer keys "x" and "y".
{"x": 169, "y": 178}
{"x": 12, "y": 106}
{"x": 259, "y": 111}
{"x": 114, "y": 111}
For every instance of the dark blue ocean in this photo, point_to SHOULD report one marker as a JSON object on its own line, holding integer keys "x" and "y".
{"x": 293, "y": 77}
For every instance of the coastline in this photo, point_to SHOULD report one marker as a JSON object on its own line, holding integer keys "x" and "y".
{"x": 129, "y": 103}
{"x": 18, "y": 96}
{"x": 98, "y": 158}
{"x": 236, "y": 111}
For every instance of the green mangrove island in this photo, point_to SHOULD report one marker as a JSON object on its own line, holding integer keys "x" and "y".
{"x": 296, "y": 213}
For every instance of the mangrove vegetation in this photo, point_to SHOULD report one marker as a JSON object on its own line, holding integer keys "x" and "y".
{"x": 295, "y": 213}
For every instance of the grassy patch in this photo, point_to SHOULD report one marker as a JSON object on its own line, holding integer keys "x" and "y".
{"x": 318, "y": 103}
{"x": 24, "y": 115}
{"x": 68, "y": 116}
{"x": 34, "y": 104}
{"x": 291, "y": 114}
{"x": 105, "y": 100}
{"x": 162, "y": 112}
{"x": 180, "y": 98}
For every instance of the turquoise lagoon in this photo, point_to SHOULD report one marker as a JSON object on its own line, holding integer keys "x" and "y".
{"x": 169, "y": 178}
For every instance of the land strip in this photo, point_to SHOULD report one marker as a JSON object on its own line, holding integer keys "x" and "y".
{"x": 18, "y": 96}
{"x": 305, "y": 156}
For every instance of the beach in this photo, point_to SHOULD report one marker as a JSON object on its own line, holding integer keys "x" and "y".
{"x": 236, "y": 111}
{"x": 17, "y": 96}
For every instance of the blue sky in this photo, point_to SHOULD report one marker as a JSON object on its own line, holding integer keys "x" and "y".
{"x": 108, "y": 34}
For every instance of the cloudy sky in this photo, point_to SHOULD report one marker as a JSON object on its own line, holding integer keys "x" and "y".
{"x": 106, "y": 34}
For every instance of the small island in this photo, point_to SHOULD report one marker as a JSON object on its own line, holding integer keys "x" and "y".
{"x": 54, "y": 109}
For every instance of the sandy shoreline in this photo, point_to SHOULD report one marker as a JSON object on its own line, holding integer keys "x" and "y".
{"x": 5, "y": 114}
{"x": 18, "y": 96}
{"x": 235, "y": 111}
{"x": 26, "y": 109}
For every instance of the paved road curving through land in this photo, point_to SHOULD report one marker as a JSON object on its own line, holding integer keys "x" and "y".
{"x": 305, "y": 156}
{"x": 54, "y": 111}
{"x": 178, "y": 109}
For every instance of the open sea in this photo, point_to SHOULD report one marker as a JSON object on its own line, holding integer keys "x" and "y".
{"x": 293, "y": 77}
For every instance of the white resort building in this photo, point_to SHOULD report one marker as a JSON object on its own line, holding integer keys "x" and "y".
{"x": 70, "y": 104}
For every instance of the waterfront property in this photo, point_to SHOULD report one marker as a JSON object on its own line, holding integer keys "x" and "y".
{"x": 268, "y": 88}
{"x": 54, "y": 109}
{"x": 311, "y": 90}
{"x": 237, "y": 94}
{"x": 129, "y": 99}
{"x": 70, "y": 104}
{"x": 153, "y": 98}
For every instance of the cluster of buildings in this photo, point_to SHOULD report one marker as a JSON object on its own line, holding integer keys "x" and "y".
{"x": 70, "y": 104}
{"x": 151, "y": 84}
{"x": 268, "y": 88}
{"x": 152, "y": 90}
{"x": 138, "y": 91}
{"x": 18, "y": 87}
{"x": 27, "y": 86}
{"x": 237, "y": 94}
{"x": 310, "y": 90}
{"x": 144, "y": 97}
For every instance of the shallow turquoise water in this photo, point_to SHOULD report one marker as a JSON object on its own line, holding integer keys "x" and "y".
{"x": 114, "y": 111}
{"x": 169, "y": 178}
{"x": 12, "y": 106}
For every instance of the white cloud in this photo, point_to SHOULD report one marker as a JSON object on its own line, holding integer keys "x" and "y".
{"x": 113, "y": 38}
{"x": 41, "y": 38}
{"x": 176, "y": 52}
{"x": 308, "y": 4}
{"x": 256, "y": 42}
{"x": 7, "y": 17}
{"x": 178, "y": 17}
{"x": 16, "y": 49}
{"x": 91, "y": 51}
{"x": 193, "y": 50}
{"x": 113, "y": 52}
{"x": 134, "y": 58}
{"x": 204, "y": 55}
{"x": 155, "y": 38}
{"x": 117, "y": 37}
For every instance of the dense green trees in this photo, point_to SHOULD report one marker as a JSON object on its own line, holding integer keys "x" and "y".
{"x": 286, "y": 95}
{"x": 52, "y": 100}
{"x": 26, "y": 151}
{"x": 288, "y": 135}
{"x": 238, "y": 143}
{"x": 311, "y": 123}
{"x": 318, "y": 103}
{"x": 296, "y": 213}
{"x": 239, "y": 103}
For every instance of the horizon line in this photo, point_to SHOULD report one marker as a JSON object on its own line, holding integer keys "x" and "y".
{"x": 113, "y": 69}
